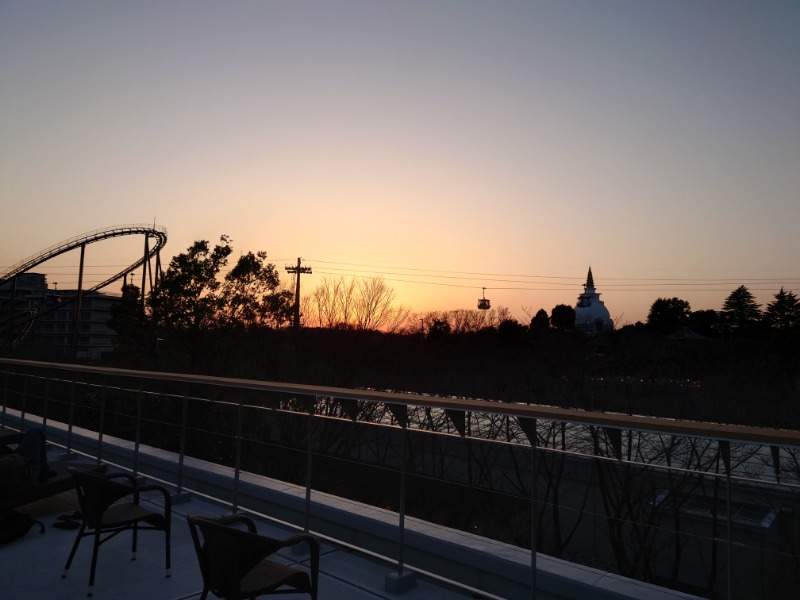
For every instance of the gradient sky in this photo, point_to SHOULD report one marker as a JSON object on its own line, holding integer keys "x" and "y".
{"x": 449, "y": 145}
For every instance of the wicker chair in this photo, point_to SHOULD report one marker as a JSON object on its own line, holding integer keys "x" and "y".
{"x": 234, "y": 563}
{"x": 110, "y": 506}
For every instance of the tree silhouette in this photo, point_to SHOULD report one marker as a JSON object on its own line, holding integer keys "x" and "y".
{"x": 469, "y": 320}
{"x": 562, "y": 317}
{"x": 667, "y": 315}
{"x": 438, "y": 329}
{"x": 740, "y": 309}
{"x": 704, "y": 322}
{"x": 133, "y": 340}
{"x": 250, "y": 295}
{"x": 784, "y": 312}
{"x": 187, "y": 296}
{"x": 185, "y": 306}
{"x": 194, "y": 306}
{"x": 540, "y": 321}
{"x": 511, "y": 329}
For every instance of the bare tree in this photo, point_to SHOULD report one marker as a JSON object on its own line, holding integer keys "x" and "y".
{"x": 331, "y": 303}
{"x": 350, "y": 302}
{"x": 468, "y": 321}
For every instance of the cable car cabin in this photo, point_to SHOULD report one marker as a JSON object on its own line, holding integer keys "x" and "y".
{"x": 483, "y": 303}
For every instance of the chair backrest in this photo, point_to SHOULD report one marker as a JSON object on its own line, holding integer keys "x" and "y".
{"x": 225, "y": 553}
{"x": 96, "y": 493}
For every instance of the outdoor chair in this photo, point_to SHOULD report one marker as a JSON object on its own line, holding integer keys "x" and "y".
{"x": 234, "y": 563}
{"x": 109, "y": 506}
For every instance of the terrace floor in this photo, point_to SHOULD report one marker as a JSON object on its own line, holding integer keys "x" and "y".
{"x": 31, "y": 567}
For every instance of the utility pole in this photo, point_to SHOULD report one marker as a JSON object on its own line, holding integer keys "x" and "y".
{"x": 297, "y": 271}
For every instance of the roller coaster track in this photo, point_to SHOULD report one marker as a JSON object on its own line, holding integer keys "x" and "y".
{"x": 150, "y": 231}
{"x": 26, "y": 321}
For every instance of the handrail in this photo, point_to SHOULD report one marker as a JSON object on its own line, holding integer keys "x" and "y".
{"x": 698, "y": 429}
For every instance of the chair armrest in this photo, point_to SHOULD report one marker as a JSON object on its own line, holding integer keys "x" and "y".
{"x": 301, "y": 538}
{"x": 130, "y": 482}
{"x": 156, "y": 488}
{"x": 136, "y": 488}
{"x": 121, "y": 475}
{"x": 252, "y": 548}
{"x": 234, "y": 519}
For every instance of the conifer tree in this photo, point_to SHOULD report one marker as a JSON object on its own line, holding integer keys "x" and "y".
{"x": 741, "y": 310}
{"x": 784, "y": 312}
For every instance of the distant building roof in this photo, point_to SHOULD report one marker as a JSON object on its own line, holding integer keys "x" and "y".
{"x": 684, "y": 333}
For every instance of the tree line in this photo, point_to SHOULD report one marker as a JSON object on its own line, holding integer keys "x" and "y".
{"x": 740, "y": 313}
{"x": 206, "y": 317}
{"x": 193, "y": 295}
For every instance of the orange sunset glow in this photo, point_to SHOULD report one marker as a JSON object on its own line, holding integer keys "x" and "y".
{"x": 444, "y": 146}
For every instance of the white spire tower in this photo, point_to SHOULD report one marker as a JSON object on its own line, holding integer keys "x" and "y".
{"x": 591, "y": 314}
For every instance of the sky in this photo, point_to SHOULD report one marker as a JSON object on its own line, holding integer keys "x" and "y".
{"x": 444, "y": 145}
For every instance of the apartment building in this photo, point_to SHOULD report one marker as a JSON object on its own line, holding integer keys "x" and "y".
{"x": 42, "y": 321}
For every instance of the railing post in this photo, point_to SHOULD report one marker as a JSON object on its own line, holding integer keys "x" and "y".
{"x": 312, "y": 402}
{"x": 5, "y": 399}
{"x": 70, "y": 417}
{"x": 534, "y": 511}
{"x": 24, "y": 403}
{"x": 45, "y": 405}
{"x": 725, "y": 451}
{"x": 776, "y": 461}
{"x": 101, "y": 425}
{"x": 400, "y": 581}
{"x": 182, "y": 450}
{"x": 528, "y": 427}
{"x": 402, "y": 505}
{"x": 237, "y": 458}
{"x": 180, "y": 496}
{"x": 137, "y": 432}
{"x": 309, "y": 449}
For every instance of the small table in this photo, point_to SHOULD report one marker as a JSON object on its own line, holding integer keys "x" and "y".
{"x": 10, "y": 436}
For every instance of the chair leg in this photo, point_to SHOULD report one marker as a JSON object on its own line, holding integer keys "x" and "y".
{"x": 168, "y": 536}
{"x": 135, "y": 534}
{"x": 94, "y": 561}
{"x": 74, "y": 549}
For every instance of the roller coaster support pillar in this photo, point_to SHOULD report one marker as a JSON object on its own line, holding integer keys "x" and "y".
{"x": 145, "y": 263}
{"x": 12, "y": 308}
{"x": 76, "y": 319}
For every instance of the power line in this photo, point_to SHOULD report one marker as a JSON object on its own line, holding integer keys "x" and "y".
{"x": 437, "y": 271}
{"x": 454, "y": 274}
{"x": 628, "y": 285}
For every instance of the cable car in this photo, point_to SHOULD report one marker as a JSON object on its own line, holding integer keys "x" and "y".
{"x": 483, "y": 303}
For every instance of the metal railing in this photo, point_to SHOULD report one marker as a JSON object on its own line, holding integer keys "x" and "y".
{"x": 704, "y": 507}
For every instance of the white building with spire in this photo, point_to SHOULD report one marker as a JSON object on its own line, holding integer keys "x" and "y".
{"x": 591, "y": 314}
